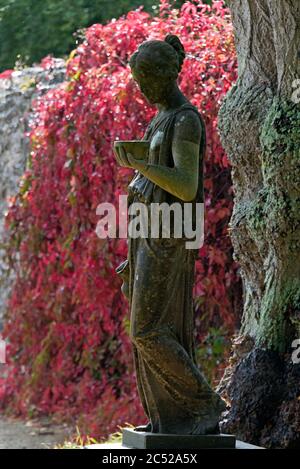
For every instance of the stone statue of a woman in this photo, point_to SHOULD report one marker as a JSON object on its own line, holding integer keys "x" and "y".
{"x": 175, "y": 395}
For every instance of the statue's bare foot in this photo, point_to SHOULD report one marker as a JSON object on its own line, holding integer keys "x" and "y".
{"x": 209, "y": 424}
{"x": 206, "y": 426}
{"x": 144, "y": 428}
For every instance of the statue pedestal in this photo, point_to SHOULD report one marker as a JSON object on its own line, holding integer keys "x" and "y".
{"x": 146, "y": 440}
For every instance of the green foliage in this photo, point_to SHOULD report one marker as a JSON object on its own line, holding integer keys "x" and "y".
{"x": 213, "y": 352}
{"x": 32, "y": 29}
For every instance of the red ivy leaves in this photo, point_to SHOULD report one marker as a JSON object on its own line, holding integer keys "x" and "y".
{"x": 69, "y": 351}
{"x": 6, "y": 74}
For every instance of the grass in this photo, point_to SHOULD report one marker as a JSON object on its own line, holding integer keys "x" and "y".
{"x": 78, "y": 441}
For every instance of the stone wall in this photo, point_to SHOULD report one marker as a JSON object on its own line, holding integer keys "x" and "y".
{"x": 16, "y": 95}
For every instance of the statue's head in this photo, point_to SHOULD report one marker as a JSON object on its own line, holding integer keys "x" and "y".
{"x": 155, "y": 66}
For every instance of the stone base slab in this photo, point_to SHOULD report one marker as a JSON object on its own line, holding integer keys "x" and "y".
{"x": 148, "y": 440}
{"x": 116, "y": 446}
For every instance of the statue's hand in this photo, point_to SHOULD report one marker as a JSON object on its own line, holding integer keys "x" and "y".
{"x": 121, "y": 157}
{"x": 136, "y": 163}
{"x": 130, "y": 161}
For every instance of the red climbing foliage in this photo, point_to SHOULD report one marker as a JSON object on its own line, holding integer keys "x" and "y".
{"x": 66, "y": 325}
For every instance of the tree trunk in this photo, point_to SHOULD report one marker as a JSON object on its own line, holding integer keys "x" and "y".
{"x": 259, "y": 123}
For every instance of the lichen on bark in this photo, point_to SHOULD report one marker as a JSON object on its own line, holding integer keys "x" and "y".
{"x": 260, "y": 131}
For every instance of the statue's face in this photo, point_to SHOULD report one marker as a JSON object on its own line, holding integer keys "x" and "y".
{"x": 154, "y": 88}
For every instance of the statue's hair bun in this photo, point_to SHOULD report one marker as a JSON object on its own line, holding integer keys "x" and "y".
{"x": 175, "y": 42}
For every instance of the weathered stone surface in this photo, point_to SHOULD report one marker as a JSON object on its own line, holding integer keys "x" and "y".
{"x": 16, "y": 96}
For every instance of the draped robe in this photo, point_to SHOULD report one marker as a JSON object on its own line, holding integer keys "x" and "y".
{"x": 175, "y": 395}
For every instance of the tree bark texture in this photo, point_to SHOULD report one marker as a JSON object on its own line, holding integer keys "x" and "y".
{"x": 259, "y": 124}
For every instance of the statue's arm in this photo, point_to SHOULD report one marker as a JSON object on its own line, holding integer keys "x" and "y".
{"x": 182, "y": 179}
